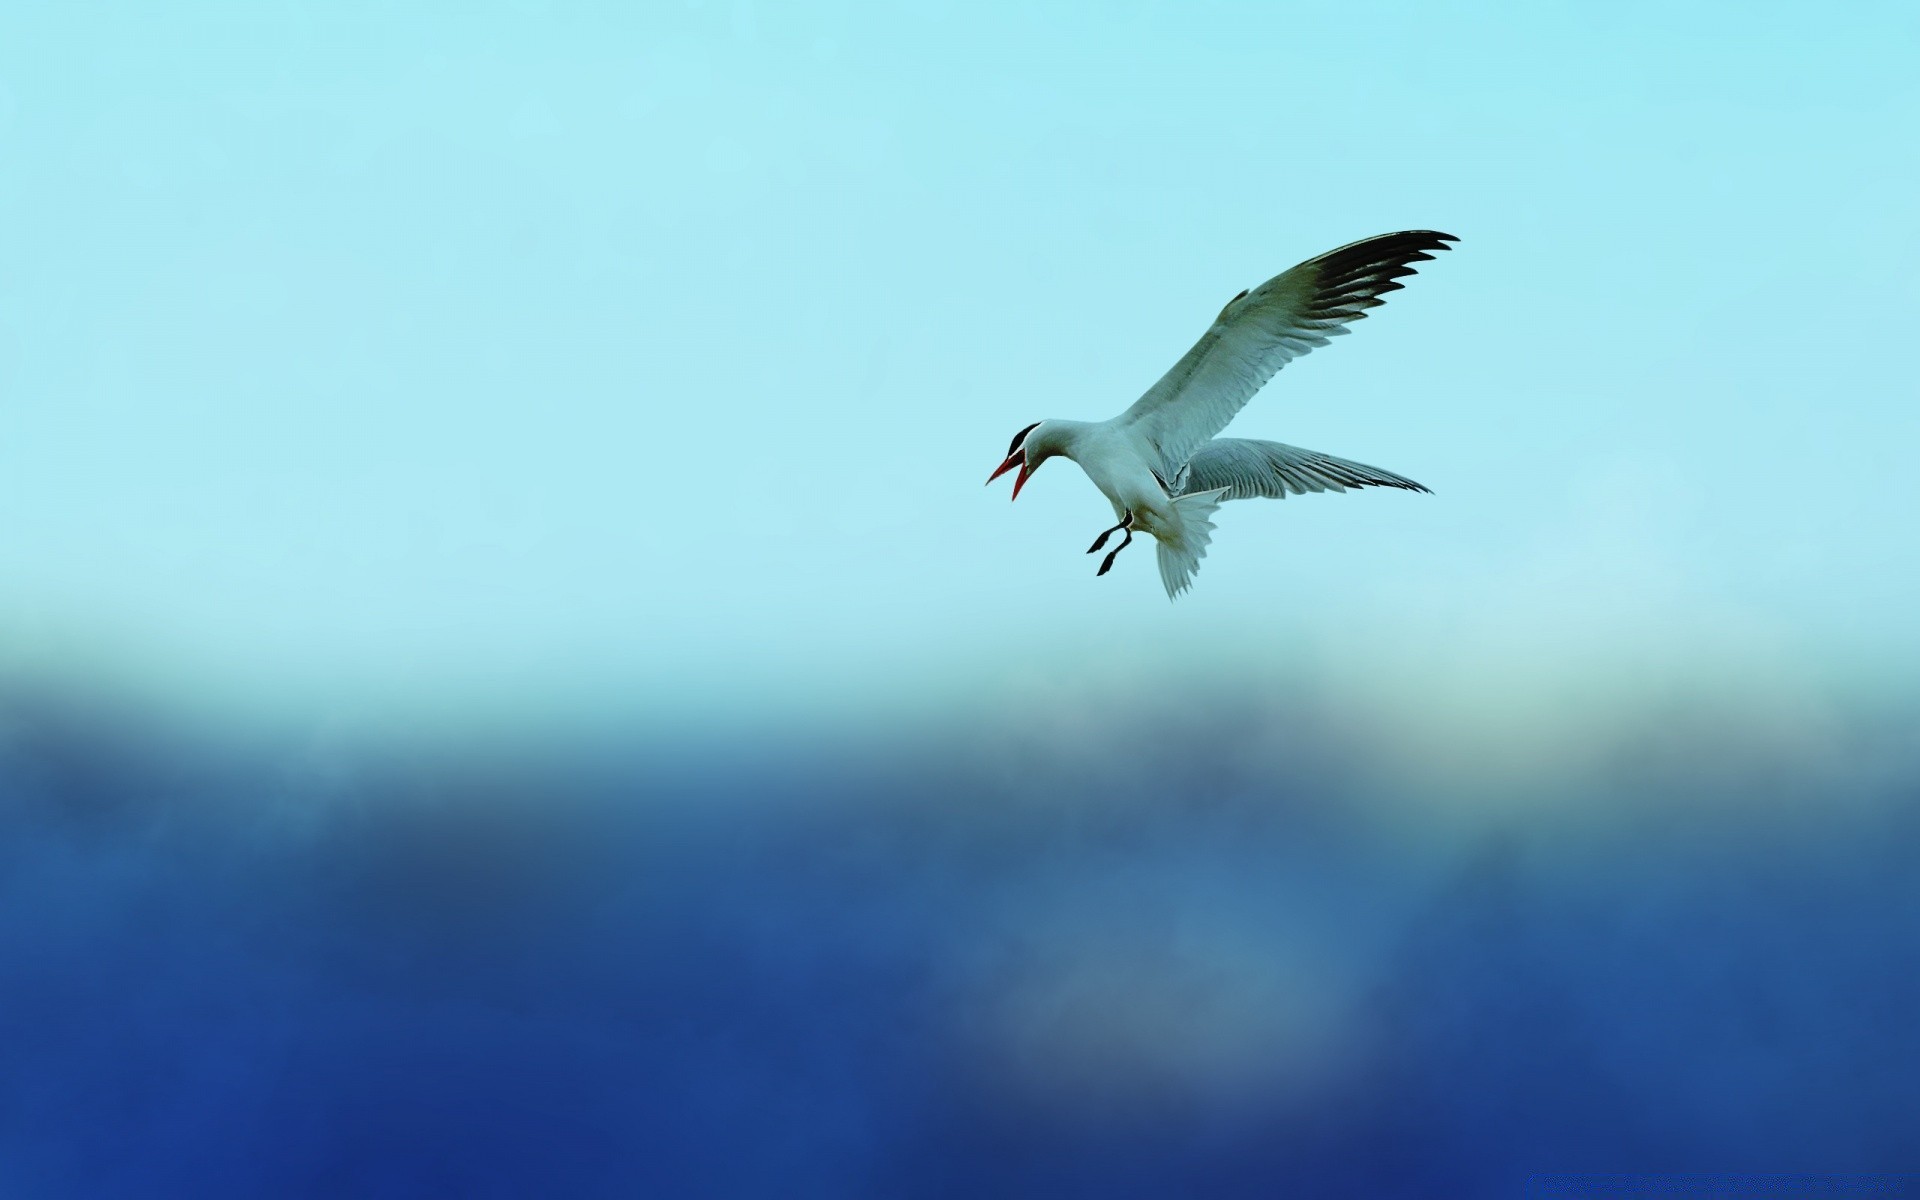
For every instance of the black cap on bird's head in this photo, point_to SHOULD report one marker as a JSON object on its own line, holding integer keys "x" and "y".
{"x": 1017, "y": 457}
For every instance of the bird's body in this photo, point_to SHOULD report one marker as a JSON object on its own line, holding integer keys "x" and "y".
{"x": 1160, "y": 464}
{"x": 1117, "y": 466}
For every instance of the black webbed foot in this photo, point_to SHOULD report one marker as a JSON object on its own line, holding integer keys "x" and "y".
{"x": 1125, "y": 522}
{"x": 1107, "y": 563}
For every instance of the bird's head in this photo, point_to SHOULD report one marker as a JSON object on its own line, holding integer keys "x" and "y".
{"x": 1029, "y": 448}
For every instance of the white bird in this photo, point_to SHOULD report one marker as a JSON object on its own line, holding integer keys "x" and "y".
{"x": 1160, "y": 462}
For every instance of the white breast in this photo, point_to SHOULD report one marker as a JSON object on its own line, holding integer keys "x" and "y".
{"x": 1121, "y": 470}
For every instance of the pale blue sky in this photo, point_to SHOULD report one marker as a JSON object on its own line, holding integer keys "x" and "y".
{"x": 667, "y": 346}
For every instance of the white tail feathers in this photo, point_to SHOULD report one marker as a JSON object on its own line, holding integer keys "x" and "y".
{"x": 1180, "y": 557}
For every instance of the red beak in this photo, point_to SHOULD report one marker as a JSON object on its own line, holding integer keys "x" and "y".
{"x": 1017, "y": 459}
{"x": 1013, "y": 460}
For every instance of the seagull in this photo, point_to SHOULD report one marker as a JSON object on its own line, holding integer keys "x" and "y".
{"x": 1160, "y": 462}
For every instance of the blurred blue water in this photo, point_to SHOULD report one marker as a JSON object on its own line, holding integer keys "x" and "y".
{"x": 1223, "y": 964}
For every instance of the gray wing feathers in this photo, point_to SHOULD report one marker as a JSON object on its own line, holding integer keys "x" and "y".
{"x": 1264, "y": 329}
{"x": 1248, "y": 469}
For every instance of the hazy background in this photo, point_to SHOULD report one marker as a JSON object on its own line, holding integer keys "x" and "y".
{"x": 510, "y": 683}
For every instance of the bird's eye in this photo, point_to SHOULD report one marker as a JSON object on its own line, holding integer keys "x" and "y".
{"x": 1021, "y": 437}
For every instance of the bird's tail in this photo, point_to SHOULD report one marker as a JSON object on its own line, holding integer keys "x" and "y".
{"x": 1180, "y": 555}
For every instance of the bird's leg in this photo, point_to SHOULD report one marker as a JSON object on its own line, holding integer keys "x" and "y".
{"x": 1107, "y": 564}
{"x": 1125, "y": 521}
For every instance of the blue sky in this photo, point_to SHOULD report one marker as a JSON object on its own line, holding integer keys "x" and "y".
{"x": 660, "y": 350}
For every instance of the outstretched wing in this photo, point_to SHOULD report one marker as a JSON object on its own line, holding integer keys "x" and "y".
{"x": 1247, "y": 469}
{"x": 1262, "y": 330}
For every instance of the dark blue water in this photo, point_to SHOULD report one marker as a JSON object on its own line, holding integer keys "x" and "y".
{"x": 745, "y": 970}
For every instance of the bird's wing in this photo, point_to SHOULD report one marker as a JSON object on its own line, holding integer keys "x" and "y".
{"x": 1247, "y": 469}
{"x": 1262, "y": 330}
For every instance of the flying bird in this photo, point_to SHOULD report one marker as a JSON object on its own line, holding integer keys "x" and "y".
{"x": 1160, "y": 462}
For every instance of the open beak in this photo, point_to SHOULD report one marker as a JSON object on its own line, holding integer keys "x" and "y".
{"x": 1017, "y": 459}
